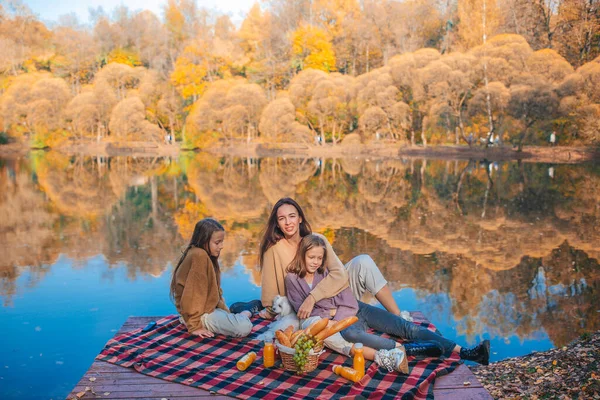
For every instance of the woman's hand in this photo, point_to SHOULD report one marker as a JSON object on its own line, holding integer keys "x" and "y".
{"x": 306, "y": 307}
{"x": 203, "y": 333}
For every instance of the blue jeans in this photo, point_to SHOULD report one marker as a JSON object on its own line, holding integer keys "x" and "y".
{"x": 384, "y": 321}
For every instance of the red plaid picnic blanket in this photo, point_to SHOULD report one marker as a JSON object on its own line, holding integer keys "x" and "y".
{"x": 168, "y": 352}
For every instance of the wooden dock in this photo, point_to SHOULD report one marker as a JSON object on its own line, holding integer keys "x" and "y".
{"x": 111, "y": 381}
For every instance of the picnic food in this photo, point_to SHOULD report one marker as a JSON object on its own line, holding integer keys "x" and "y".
{"x": 317, "y": 327}
{"x": 288, "y": 331}
{"x": 335, "y": 328}
{"x": 244, "y": 362}
{"x": 283, "y": 339}
{"x": 323, "y": 334}
{"x": 295, "y": 336}
{"x": 303, "y": 346}
{"x": 308, "y": 343}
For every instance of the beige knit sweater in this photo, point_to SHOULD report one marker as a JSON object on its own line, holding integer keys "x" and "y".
{"x": 280, "y": 255}
{"x": 198, "y": 288}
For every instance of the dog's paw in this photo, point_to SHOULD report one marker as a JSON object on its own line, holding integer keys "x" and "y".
{"x": 406, "y": 315}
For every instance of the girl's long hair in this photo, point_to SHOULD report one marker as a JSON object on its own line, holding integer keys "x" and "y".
{"x": 298, "y": 264}
{"x": 272, "y": 234}
{"x": 203, "y": 231}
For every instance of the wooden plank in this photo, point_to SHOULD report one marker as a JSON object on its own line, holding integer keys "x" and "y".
{"x": 457, "y": 378}
{"x": 462, "y": 394}
{"x": 126, "y": 383}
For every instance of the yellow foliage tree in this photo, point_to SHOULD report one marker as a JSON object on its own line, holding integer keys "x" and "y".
{"x": 124, "y": 56}
{"x": 477, "y": 18}
{"x": 312, "y": 48}
{"x": 197, "y": 65}
{"x": 188, "y": 77}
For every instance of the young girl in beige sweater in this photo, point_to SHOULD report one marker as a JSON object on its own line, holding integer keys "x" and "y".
{"x": 196, "y": 286}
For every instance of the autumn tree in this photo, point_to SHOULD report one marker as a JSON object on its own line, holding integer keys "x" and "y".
{"x": 312, "y": 48}
{"x": 372, "y": 120}
{"x": 500, "y": 97}
{"x": 417, "y": 24}
{"x": 75, "y": 58}
{"x": 266, "y": 47}
{"x": 531, "y": 101}
{"x": 278, "y": 123}
{"x": 450, "y": 81}
{"x": 229, "y": 109}
{"x": 406, "y": 71}
{"x": 128, "y": 122}
{"x": 331, "y": 107}
{"x": 478, "y": 18}
{"x": 580, "y": 101}
{"x": 24, "y": 37}
{"x": 85, "y": 115}
{"x": 120, "y": 78}
{"x": 550, "y": 65}
{"x": 531, "y": 19}
{"x": 577, "y": 30}
{"x": 32, "y": 108}
{"x": 376, "y": 91}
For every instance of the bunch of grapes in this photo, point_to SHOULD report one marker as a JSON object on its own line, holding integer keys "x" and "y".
{"x": 303, "y": 346}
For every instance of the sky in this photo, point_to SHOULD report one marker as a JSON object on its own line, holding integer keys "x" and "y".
{"x": 50, "y": 10}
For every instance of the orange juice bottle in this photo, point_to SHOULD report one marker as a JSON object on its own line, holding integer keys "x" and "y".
{"x": 347, "y": 372}
{"x": 244, "y": 362}
{"x": 269, "y": 353}
{"x": 359, "y": 359}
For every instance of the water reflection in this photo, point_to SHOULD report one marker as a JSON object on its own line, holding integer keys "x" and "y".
{"x": 512, "y": 249}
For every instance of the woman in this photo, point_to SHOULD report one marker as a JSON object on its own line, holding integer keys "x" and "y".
{"x": 287, "y": 225}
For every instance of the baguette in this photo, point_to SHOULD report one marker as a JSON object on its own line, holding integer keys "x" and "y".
{"x": 339, "y": 326}
{"x": 283, "y": 339}
{"x": 295, "y": 336}
{"x": 288, "y": 331}
{"x": 323, "y": 334}
{"x": 317, "y": 327}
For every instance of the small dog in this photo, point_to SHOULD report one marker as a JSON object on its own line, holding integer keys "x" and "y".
{"x": 285, "y": 317}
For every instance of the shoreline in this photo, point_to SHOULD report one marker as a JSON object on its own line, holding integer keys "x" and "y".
{"x": 568, "y": 372}
{"x": 537, "y": 154}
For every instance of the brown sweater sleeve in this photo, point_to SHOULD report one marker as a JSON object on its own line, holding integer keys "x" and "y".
{"x": 269, "y": 285}
{"x": 200, "y": 292}
{"x": 335, "y": 281}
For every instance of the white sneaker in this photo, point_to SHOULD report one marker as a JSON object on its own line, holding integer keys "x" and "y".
{"x": 392, "y": 360}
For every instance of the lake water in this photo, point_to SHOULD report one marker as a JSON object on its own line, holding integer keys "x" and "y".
{"x": 505, "y": 251}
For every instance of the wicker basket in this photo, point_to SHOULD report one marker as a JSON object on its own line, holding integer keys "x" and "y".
{"x": 287, "y": 358}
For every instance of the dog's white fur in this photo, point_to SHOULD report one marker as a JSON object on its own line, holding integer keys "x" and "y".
{"x": 285, "y": 317}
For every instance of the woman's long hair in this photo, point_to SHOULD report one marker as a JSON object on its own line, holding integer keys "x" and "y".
{"x": 298, "y": 264}
{"x": 203, "y": 231}
{"x": 272, "y": 234}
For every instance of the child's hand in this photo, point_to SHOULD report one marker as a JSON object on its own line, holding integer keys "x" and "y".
{"x": 306, "y": 308}
{"x": 203, "y": 333}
